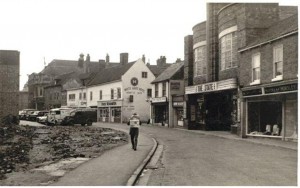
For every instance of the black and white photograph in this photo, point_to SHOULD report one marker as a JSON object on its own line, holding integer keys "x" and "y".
{"x": 149, "y": 93}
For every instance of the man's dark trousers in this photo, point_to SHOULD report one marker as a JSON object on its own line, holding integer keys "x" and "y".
{"x": 134, "y": 134}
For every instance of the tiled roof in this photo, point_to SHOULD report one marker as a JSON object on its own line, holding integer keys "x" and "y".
{"x": 157, "y": 70}
{"x": 279, "y": 29}
{"x": 110, "y": 74}
{"x": 169, "y": 72}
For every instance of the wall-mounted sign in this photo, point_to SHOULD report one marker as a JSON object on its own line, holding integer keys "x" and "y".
{"x": 206, "y": 87}
{"x": 282, "y": 88}
{"x": 159, "y": 99}
{"x": 175, "y": 85}
{"x": 134, "y": 81}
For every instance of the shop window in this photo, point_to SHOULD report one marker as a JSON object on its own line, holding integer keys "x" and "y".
{"x": 100, "y": 95}
{"x": 255, "y": 69}
{"x": 228, "y": 51}
{"x": 200, "y": 61}
{"x": 144, "y": 74}
{"x": 119, "y": 93}
{"x": 277, "y": 62}
{"x": 149, "y": 93}
{"x": 91, "y": 95}
{"x": 112, "y": 94}
{"x": 156, "y": 90}
{"x": 265, "y": 118}
{"x": 130, "y": 98}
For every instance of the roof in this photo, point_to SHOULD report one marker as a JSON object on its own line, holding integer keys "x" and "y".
{"x": 110, "y": 74}
{"x": 157, "y": 70}
{"x": 169, "y": 72}
{"x": 279, "y": 29}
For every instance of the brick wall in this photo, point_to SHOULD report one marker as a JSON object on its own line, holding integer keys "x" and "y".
{"x": 290, "y": 61}
{"x": 9, "y": 84}
{"x": 188, "y": 60}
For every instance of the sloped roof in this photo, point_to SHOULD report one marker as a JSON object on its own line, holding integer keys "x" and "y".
{"x": 280, "y": 28}
{"x": 169, "y": 72}
{"x": 157, "y": 70}
{"x": 110, "y": 74}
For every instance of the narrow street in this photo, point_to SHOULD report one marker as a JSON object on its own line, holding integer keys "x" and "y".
{"x": 193, "y": 159}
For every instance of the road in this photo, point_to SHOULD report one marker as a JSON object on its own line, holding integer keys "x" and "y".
{"x": 201, "y": 160}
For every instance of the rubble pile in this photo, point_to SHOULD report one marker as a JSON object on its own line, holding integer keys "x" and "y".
{"x": 24, "y": 147}
{"x": 15, "y": 144}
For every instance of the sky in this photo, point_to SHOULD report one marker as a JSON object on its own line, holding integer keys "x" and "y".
{"x": 62, "y": 29}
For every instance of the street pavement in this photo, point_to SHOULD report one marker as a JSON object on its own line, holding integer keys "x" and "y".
{"x": 192, "y": 158}
{"x": 113, "y": 168}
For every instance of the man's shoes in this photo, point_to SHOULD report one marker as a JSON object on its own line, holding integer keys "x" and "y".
{"x": 134, "y": 149}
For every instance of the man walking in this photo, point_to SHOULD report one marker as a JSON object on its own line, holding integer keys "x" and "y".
{"x": 134, "y": 123}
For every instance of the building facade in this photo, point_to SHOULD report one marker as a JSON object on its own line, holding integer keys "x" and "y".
{"x": 9, "y": 84}
{"x": 168, "y": 97}
{"x": 219, "y": 64}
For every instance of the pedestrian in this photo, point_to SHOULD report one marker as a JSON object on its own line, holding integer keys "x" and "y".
{"x": 134, "y": 123}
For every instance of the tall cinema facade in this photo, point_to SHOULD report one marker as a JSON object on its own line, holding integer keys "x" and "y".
{"x": 219, "y": 69}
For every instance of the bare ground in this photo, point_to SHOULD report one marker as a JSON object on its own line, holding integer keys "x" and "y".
{"x": 40, "y": 155}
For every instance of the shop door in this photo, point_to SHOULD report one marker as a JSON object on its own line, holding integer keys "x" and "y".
{"x": 116, "y": 115}
{"x": 103, "y": 114}
{"x": 160, "y": 114}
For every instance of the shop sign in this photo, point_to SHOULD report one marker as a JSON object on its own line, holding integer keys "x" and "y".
{"x": 159, "y": 99}
{"x": 283, "y": 88}
{"x": 175, "y": 85}
{"x": 109, "y": 103}
{"x": 82, "y": 103}
{"x": 178, "y": 104}
{"x": 252, "y": 92}
{"x": 206, "y": 87}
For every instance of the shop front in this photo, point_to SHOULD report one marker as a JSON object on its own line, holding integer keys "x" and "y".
{"x": 160, "y": 111}
{"x": 213, "y": 106}
{"x": 271, "y": 110}
{"x": 110, "y": 111}
{"x": 177, "y": 105}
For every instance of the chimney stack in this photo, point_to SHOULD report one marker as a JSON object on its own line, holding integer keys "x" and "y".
{"x": 107, "y": 58}
{"x": 161, "y": 61}
{"x": 144, "y": 59}
{"x": 123, "y": 58}
{"x": 80, "y": 60}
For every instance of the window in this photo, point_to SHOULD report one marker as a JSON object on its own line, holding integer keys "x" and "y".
{"x": 41, "y": 92}
{"x": 119, "y": 93}
{"x": 228, "y": 51}
{"x": 111, "y": 93}
{"x": 200, "y": 61}
{"x": 84, "y": 96}
{"x": 278, "y": 62}
{"x": 149, "y": 92}
{"x": 256, "y": 69}
{"x": 164, "y": 89}
{"x": 156, "y": 90}
{"x": 100, "y": 95}
{"x": 71, "y": 97}
{"x": 130, "y": 98}
{"x": 91, "y": 95}
{"x": 80, "y": 96}
{"x": 144, "y": 75}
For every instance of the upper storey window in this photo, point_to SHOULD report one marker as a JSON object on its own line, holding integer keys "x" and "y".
{"x": 277, "y": 62}
{"x": 228, "y": 51}
{"x": 200, "y": 61}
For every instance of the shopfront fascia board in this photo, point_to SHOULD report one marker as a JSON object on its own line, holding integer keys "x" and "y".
{"x": 159, "y": 100}
{"x": 212, "y": 86}
{"x": 271, "y": 89}
{"x": 109, "y": 103}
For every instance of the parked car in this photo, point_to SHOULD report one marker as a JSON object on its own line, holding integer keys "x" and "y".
{"x": 35, "y": 114}
{"x": 81, "y": 116}
{"x": 56, "y": 115}
{"x": 42, "y": 119}
{"x": 28, "y": 113}
{"x": 22, "y": 113}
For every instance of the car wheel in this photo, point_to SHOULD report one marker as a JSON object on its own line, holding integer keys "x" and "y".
{"x": 71, "y": 123}
{"x": 82, "y": 124}
{"x": 89, "y": 122}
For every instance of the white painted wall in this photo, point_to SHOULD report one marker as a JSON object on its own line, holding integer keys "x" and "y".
{"x": 106, "y": 88}
{"x": 160, "y": 89}
{"x": 76, "y": 102}
{"x": 139, "y": 92}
